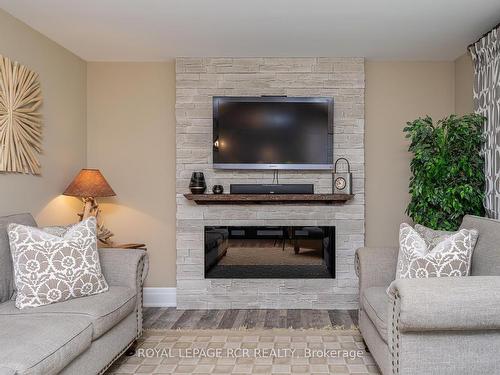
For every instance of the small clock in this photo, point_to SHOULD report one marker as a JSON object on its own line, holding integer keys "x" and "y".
{"x": 342, "y": 181}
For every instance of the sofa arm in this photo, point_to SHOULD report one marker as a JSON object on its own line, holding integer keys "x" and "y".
{"x": 375, "y": 266}
{"x": 124, "y": 267}
{"x": 445, "y": 304}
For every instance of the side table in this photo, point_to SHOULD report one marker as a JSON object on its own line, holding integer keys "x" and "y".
{"x": 124, "y": 246}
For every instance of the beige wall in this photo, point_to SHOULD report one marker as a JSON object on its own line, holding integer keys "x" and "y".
{"x": 131, "y": 138}
{"x": 397, "y": 92}
{"x": 131, "y": 133}
{"x": 464, "y": 80}
{"x": 63, "y": 83}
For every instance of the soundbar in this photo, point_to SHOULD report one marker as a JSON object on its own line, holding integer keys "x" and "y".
{"x": 271, "y": 188}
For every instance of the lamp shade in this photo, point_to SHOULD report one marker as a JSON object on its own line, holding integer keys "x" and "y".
{"x": 89, "y": 183}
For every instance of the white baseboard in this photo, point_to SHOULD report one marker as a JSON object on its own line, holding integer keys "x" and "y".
{"x": 160, "y": 297}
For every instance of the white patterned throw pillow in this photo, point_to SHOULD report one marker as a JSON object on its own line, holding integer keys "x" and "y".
{"x": 441, "y": 255}
{"x": 49, "y": 268}
{"x": 432, "y": 236}
{"x": 58, "y": 230}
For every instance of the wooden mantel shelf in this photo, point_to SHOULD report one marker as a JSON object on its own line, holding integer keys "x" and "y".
{"x": 269, "y": 198}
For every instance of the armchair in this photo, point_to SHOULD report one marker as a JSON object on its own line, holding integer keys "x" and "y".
{"x": 438, "y": 325}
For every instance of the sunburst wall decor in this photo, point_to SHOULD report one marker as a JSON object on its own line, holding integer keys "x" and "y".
{"x": 20, "y": 121}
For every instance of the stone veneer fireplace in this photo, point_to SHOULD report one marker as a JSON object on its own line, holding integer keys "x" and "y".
{"x": 197, "y": 81}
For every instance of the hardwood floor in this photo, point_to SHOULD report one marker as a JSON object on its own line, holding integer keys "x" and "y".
{"x": 171, "y": 318}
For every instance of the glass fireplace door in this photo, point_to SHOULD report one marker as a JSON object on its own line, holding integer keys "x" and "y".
{"x": 283, "y": 252}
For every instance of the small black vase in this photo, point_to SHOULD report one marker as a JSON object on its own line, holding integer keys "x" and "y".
{"x": 217, "y": 189}
{"x": 197, "y": 185}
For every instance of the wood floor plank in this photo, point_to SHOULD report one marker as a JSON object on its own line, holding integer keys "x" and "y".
{"x": 167, "y": 318}
{"x": 228, "y": 319}
{"x": 261, "y": 319}
{"x": 239, "y": 322}
{"x": 348, "y": 323}
{"x": 340, "y": 318}
{"x": 146, "y": 312}
{"x": 326, "y": 318}
{"x": 316, "y": 319}
{"x": 181, "y": 321}
{"x": 189, "y": 320}
{"x": 207, "y": 319}
{"x": 272, "y": 319}
{"x": 251, "y": 317}
{"x": 334, "y": 318}
{"x": 210, "y": 319}
{"x": 293, "y": 319}
{"x": 171, "y": 318}
{"x": 151, "y": 315}
{"x": 282, "y": 318}
{"x": 354, "y": 316}
{"x": 305, "y": 321}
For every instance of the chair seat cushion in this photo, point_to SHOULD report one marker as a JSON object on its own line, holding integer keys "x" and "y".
{"x": 42, "y": 344}
{"x": 103, "y": 310}
{"x": 375, "y": 302}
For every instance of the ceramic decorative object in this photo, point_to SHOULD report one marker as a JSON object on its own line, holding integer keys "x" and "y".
{"x": 217, "y": 189}
{"x": 197, "y": 185}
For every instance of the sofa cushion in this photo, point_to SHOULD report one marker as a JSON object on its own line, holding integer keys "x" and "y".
{"x": 375, "y": 303}
{"x": 6, "y": 278}
{"x": 42, "y": 344}
{"x": 50, "y": 269}
{"x": 486, "y": 257}
{"x": 103, "y": 310}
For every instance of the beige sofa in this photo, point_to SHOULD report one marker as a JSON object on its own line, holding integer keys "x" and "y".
{"x": 441, "y": 326}
{"x": 81, "y": 336}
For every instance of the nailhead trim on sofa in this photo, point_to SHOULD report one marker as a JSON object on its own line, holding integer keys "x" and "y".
{"x": 138, "y": 314}
{"x": 395, "y": 335}
{"x": 357, "y": 265}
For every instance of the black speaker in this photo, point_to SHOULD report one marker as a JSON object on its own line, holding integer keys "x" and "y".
{"x": 271, "y": 188}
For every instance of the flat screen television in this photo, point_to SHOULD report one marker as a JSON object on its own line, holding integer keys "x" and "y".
{"x": 272, "y": 133}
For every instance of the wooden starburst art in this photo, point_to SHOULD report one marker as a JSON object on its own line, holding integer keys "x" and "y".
{"x": 20, "y": 121}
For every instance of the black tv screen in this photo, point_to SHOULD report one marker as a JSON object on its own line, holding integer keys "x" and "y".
{"x": 272, "y": 133}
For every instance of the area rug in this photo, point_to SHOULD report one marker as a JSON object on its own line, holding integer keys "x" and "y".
{"x": 253, "y": 351}
{"x": 271, "y": 255}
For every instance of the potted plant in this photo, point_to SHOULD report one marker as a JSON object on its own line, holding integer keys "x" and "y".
{"x": 447, "y": 170}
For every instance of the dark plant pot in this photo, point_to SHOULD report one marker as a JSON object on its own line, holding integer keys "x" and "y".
{"x": 217, "y": 189}
{"x": 197, "y": 185}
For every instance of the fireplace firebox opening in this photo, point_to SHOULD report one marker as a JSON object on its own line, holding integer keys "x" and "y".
{"x": 269, "y": 252}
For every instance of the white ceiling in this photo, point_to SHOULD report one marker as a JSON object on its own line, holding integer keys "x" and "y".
{"x": 150, "y": 30}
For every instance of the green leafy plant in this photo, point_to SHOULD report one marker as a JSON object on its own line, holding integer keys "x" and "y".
{"x": 447, "y": 170}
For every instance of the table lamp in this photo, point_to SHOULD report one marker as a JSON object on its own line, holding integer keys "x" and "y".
{"x": 88, "y": 185}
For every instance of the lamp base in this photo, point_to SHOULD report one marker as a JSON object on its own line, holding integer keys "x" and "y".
{"x": 91, "y": 208}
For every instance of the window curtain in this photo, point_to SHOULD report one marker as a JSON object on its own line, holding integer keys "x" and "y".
{"x": 486, "y": 58}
